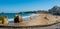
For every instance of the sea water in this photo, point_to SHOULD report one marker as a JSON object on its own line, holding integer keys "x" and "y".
{"x": 11, "y": 16}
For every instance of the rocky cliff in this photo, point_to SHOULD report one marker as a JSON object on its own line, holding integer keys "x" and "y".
{"x": 55, "y": 10}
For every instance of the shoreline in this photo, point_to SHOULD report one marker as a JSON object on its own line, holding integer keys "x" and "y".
{"x": 36, "y": 22}
{"x": 25, "y": 18}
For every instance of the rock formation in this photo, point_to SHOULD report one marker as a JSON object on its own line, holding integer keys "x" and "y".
{"x": 20, "y": 18}
{"x": 55, "y": 10}
{"x": 3, "y": 20}
{"x": 17, "y": 19}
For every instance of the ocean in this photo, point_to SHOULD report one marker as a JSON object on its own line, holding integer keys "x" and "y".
{"x": 25, "y": 17}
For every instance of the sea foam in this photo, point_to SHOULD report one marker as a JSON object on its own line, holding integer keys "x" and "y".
{"x": 25, "y": 18}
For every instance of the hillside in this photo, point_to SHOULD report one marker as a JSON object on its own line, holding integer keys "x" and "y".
{"x": 55, "y": 10}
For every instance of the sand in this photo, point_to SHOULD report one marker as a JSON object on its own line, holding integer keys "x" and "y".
{"x": 41, "y": 19}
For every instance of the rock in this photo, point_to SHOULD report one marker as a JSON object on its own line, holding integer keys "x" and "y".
{"x": 20, "y": 18}
{"x": 5, "y": 20}
{"x": 55, "y": 10}
{"x": 1, "y": 19}
{"x": 17, "y": 19}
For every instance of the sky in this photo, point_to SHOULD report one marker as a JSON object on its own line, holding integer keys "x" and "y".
{"x": 15, "y": 6}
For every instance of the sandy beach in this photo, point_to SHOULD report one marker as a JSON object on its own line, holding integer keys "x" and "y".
{"x": 41, "y": 19}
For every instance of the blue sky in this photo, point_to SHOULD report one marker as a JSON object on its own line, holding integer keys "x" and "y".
{"x": 13, "y": 6}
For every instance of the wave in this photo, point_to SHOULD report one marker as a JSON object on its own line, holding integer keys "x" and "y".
{"x": 25, "y": 17}
{"x": 11, "y": 19}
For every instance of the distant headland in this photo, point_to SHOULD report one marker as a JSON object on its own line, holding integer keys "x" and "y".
{"x": 54, "y": 10}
